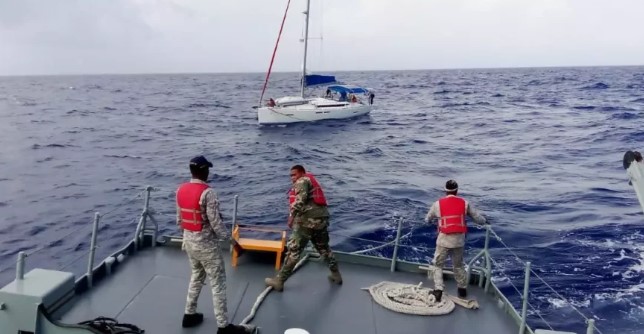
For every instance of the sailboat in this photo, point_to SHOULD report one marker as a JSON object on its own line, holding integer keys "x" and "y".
{"x": 340, "y": 101}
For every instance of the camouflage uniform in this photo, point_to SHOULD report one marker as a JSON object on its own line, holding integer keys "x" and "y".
{"x": 311, "y": 222}
{"x": 204, "y": 253}
{"x": 453, "y": 243}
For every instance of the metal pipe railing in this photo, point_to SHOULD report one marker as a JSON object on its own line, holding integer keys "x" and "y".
{"x": 92, "y": 250}
{"x": 591, "y": 326}
{"x": 143, "y": 218}
{"x": 488, "y": 261}
{"x": 235, "y": 210}
{"x": 394, "y": 258}
{"x": 526, "y": 287}
{"x": 488, "y": 266}
{"x": 137, "y": 233}
{"x": 146, "y": 209}
{"x": 20, "y": 265}
{"x": 486, "y": 270}
{"x": 155, "y": 232}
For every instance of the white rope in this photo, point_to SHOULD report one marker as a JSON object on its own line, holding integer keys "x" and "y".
{"x": 507, "y": 276}
{"x": 564, "y": 299}
{"x": 498, "y": 238}
{"x": 371, "y": 249}
{"x": 123, "y": 203}
{"x": 413, "y": 299}
{"x": 381, "y": 246}
{"x": 504, "y": 274}
{"x": 263, "y": 295}
{"x": 410, "y": 299}
{"x": 540, "y": 316}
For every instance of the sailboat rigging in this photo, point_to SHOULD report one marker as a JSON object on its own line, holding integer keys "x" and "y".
{"x": 339, "y": 101}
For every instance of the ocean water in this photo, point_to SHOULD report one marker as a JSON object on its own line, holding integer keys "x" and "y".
{"x": 537, "y": 151}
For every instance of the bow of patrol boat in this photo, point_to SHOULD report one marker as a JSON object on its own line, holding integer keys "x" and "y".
{"x": 145, "y": 284}
{"x": 149, "y": 290}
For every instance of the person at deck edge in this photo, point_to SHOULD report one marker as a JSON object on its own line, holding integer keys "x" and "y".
{"x": 309, "y": 218}
{"x": 199, "y": 218}
{"x": 450, "y": 211}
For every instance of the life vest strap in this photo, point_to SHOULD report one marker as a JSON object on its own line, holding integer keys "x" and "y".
{"x": 190, "y": 210}
{"x": 452, "y": 216}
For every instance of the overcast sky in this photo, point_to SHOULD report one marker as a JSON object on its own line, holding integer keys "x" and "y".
{"x": 160, "y": 36}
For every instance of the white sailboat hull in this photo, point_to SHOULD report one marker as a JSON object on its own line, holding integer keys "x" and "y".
{"x": 313, "y": 110}
{"x": 339, "y": 101}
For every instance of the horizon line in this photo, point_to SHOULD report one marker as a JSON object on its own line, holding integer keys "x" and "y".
{"x": 327, "y": 71}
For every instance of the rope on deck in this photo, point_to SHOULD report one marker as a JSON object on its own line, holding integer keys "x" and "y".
{"x": 414, "y": 299}
{"x": 263, "y": 295}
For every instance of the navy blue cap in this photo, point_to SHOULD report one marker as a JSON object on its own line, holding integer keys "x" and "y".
{"x": 200, "y": 162}
{"x": 451, "y": 185}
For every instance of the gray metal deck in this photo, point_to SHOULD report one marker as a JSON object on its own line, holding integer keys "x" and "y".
{"x": 149, "y": 290}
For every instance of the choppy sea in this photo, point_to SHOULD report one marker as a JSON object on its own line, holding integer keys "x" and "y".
{"x": 537, "y": 151}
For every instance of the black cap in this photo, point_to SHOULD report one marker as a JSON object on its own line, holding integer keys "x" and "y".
{"x": 451, "y": 185}
{"x": 200, "y": 162}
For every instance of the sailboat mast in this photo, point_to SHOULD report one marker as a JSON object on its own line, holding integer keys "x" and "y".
{"x": 306, "y": 44}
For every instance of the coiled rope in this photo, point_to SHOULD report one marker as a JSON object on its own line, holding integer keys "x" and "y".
{"x": 408, "y": 298}
{"x": 414, "y": 299}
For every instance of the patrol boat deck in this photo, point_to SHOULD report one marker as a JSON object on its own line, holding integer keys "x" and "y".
{"x": 145, "y": 284}
{"x": 156, "y": 280}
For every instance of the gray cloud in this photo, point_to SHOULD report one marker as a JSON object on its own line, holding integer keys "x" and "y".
{"x": 142, "y": 36}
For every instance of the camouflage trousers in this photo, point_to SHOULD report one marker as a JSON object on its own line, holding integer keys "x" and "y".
{"x": 318, "y": 234}
{"x": 459, "y": 267}
{"x": 207, "y": 262}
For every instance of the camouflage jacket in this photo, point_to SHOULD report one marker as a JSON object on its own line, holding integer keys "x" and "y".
{"x": 303, "y": 209}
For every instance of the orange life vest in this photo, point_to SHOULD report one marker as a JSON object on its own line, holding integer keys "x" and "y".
{"x": 452, "y": 219}
{"x": 317, "y": 195}
{"x": 188, "y": 197}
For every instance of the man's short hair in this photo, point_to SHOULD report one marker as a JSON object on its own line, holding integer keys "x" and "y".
{"x": 299, "y": 168}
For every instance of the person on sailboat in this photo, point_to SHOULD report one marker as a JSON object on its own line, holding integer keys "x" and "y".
{"x": 309, "y": 218}
{"x": 451, "y": 211}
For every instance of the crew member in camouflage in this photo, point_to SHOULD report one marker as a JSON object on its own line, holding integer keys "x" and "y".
{"x": 310, "y": 222}
{"x": 204, "y": 253}
{"x": 453, "y": 243}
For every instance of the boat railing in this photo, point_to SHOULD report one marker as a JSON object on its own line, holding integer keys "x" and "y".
{"x": 488, "y": 271}
{"x": 147, "y": 223}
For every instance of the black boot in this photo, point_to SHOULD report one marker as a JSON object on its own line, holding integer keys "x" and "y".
{"x": 438, "y": 294}
{"x": 237, "y": 329}
{"x": 462, "y": 292}
{"x": 192, "y": 320}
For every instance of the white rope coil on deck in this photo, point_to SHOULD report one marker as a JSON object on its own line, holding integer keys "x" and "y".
{"x": 413, "y": 299}
{"x": 408, "y": 298}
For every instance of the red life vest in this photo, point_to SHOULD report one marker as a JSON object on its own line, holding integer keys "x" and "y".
{"x": 317, "y": 195}
{"x": 188, "y": 197}
{"x": 452, "y": 219}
